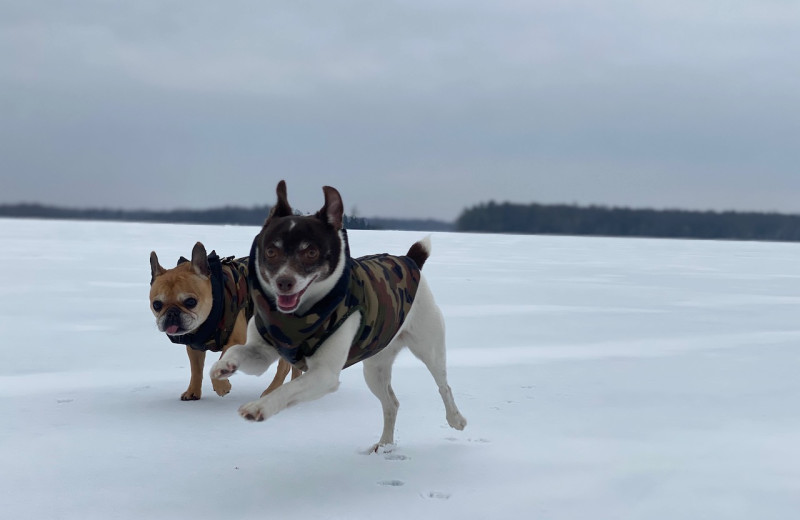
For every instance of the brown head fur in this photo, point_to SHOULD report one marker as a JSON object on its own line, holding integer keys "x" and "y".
{"x": 182, "y": 293}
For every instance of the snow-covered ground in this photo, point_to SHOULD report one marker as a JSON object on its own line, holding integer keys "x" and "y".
{"x": 602, "y": 379}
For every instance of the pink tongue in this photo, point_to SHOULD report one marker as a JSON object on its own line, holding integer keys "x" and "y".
{"x": 172, "y": 329}
{"x": 288, "y": 301}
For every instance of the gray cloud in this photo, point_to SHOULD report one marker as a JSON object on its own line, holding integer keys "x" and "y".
{"x": 409, "y": 108}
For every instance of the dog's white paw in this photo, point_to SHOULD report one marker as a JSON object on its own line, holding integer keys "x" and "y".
{"x": 253, "y": 411}
{"x": 260, "y": 409}
{"x": 223, "y": 369}
{"x": 456, "y": 421}
{"x": 380, "y": 448}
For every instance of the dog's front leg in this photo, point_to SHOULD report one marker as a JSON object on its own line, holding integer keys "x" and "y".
{"x": 322, "y": 376}
{"x": 196, "y": 360}
{"x": 254, "y": 357}
{"x": 222, "y": 386}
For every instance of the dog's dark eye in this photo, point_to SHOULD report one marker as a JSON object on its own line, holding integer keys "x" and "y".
{"x": 311, "y": 254}
{"x": 271, "y": 253}
{"x": 157, "y": 305}
{"x": 190, "y": 303}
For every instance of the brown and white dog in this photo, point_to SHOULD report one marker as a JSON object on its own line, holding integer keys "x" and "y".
{"x": 322, "y": 311}
{"x": 204, "y": 304}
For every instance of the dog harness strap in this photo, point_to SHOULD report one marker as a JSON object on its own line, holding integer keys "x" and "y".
{"x": 229, "y": 293}
{"x": 240, "y": 265}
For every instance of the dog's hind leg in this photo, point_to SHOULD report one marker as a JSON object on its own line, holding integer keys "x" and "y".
{"x": 378, "y": 375}
{"x": 280, "y": 376}
{"x": 424, "y": 333}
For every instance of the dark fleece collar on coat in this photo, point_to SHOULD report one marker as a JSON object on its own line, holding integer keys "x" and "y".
{"x": 201, "y": 338}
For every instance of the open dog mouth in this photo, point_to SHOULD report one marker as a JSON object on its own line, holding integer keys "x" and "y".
{"x": 290, "y": 302}
{"x": 173, "y": 329}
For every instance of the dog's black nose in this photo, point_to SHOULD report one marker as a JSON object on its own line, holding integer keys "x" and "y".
{"x": 172, "y": 316}
{"x": 285, "y": 283}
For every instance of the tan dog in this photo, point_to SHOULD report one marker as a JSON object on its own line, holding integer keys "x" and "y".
{"x": 205, "y": 304}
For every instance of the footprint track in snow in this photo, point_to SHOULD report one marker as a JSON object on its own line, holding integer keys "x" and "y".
{"x": 396, "y": 456}
{"x": 391, "y": 483}
{"x": 480, "y": 440}
{"x": 436, "y": 495}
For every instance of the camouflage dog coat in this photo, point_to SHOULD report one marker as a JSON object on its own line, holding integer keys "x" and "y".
{"x": 231, "y": 296}
{"x": 381, "y": 287}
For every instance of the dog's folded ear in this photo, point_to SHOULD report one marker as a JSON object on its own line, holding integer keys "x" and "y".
{"x": 282, "y": 207}
{"x": 155, "y": 267}
{"x": 333, "y": 210}
{"x": 200, "y": 260}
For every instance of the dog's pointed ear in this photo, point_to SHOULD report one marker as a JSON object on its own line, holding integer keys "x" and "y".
{"x": 182, "y": 260}
{"x": 155, "y": 268}
{"x": 282, "y": 207}
{"x": 333, "y": 210}
{"x": 200, "y": 260}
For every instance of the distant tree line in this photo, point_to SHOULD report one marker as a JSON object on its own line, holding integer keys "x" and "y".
{"x": 410, "y": 224}
{"x": 231, "y": 215}
{"x": 224, "y": 215}
{"x": 490, "y": 217}
{"x": 562, "y": 219}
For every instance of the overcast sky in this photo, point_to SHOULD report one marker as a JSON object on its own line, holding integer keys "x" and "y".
{"x": 414, "y": 108}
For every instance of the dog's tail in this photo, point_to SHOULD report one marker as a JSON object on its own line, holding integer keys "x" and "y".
{"x": 420, "y": 251}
